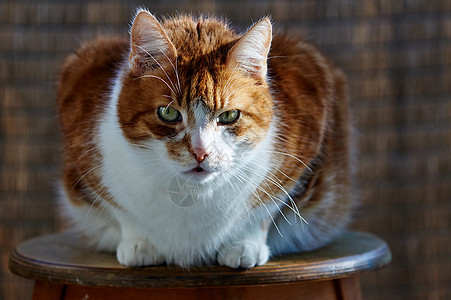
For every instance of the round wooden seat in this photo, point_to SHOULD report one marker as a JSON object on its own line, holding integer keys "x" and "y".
{"x": 63, "y": 269}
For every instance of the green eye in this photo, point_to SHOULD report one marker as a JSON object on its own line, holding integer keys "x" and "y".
{"x": 228, "y": 117}
{"x": 169, "y": 114}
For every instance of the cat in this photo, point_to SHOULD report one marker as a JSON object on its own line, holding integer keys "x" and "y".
{"x": 189, "y": 144}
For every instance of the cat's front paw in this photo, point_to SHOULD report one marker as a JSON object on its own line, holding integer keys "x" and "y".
{"x": 243, "y": 254}
{"x": 136, "y": 253}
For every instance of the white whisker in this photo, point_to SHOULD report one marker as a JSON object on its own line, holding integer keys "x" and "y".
{"x": 273, "y": 197}
{"x": 294, "y": 207}
{"x": 86, "y": 152}
{"x": 169, "y": 104}
{"x": 113, "y": 213}
{"x": 273, "y": 166}
{"x": 264, "y": 205}
{"x": 292, "y": 156}
{"x": 177, "y": 75}
{"x": 277, "y": 136}
{"x": 161, "y": 67}
{"x": 174, "y": 68}
{"x": 157, "y": 77}
{"x": 170, "y": 97}
{"x": 142, "y": 146}
{"x": 240, "y": 88}
{"x": 226, "y": 87}
{"x": 279, "y": 56}
{"x": 242, "y": 197}
{"x": 84, "y": 175}
{"x": 93, "y": 203}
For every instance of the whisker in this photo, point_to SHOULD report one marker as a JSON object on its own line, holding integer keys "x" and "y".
{"x": 281, "y": 172}
{"x": 279, "y": 56}
{"x": 294, "y": 207}
{"x": 93, "y": 203}
{"x": 264, "y": 205}
{"x": 113, "y": 214}
{"x": 86, "y": 152}
{"x": 292, "y": 156}
{"x": 104, "y": 204}
{"x": 155, "y": 173}
{"x": 169, "y": 104}
{"x": 228, "y": 81}
{"x": 174, "y": 68}
{"x": 84, "y": 175}
{"x": 241, "y": 87}
{"x": 170, "y": 97}
{"x": 273, "y": 197}
{"x": 161, "y": 67}
{"x": 277, "y": 136}
{"x": 177, "y": 76}
{"x": 242, "y": 197}
{"x": 273, "y": 166}
{"x": 142, "y": 146}
{"x": 157, "y": 77}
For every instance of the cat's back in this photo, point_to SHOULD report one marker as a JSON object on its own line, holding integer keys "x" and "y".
{"x": 310, "y": 98}
{"x": 86, "y": 78}
{"x": 297, "y": 66}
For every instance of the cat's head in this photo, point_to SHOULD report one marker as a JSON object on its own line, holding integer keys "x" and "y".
{"x": 195, "y": 96}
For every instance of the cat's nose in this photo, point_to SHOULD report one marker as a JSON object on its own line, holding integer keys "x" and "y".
{"x": 199, "y": 153}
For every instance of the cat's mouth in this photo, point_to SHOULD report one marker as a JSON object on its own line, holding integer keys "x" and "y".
{"x": 197, "y": 169}
{"x": 198, "y": 173}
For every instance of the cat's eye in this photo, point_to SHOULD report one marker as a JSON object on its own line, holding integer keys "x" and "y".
{"x": 169, "y": 114}
{"x": 228, "y": 117}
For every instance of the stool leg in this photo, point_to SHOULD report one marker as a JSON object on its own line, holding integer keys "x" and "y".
{"x": 44, "y": 290}
{"x": 348, "y": 288}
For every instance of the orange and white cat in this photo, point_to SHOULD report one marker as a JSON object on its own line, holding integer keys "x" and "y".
{"x": 191, "y": 144}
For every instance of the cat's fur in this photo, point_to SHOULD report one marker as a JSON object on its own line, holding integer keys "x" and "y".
{"x": 274, "y": 181}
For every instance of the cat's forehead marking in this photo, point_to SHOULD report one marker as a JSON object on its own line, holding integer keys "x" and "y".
{"x": 199, "y": 101}
{"x": 202, "y": 92}
{"x": 201, "y": 112}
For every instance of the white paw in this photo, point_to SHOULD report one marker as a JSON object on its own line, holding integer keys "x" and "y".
{"x": 243, "y": 254}
{"x": 135, "y": 253}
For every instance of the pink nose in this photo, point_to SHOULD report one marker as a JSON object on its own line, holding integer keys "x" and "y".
{"x": 199, "y": 153}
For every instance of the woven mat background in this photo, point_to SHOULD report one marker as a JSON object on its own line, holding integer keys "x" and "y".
{"x": 397, "y": 55}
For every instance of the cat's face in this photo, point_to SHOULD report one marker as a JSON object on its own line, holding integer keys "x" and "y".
{"x": 195, "y": 113}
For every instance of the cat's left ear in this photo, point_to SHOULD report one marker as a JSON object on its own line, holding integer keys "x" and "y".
{"x": 150, "y": 46}
{"x": 250, "y": 53}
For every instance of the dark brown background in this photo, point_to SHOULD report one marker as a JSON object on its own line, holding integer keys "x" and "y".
{"x": 397, "y": 55}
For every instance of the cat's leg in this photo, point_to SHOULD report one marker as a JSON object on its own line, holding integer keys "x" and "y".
{"x": 134, "y": 249}
{"x": 248, "y": 249}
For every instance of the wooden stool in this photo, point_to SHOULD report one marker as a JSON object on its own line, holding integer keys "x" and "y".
{"x": 62, "y": 269}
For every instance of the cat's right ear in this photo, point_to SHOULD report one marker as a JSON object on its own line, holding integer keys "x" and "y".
{"x": 250, "y": 53}
{"x": 150, "y": 46}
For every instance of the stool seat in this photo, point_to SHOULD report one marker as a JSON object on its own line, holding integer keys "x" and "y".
{"x": 60, "y": 261}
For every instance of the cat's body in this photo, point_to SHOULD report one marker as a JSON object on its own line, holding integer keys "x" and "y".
{"x": 184, "y": 147}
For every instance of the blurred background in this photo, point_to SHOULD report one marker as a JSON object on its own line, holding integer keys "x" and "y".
{"x": 396, "y": 54}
